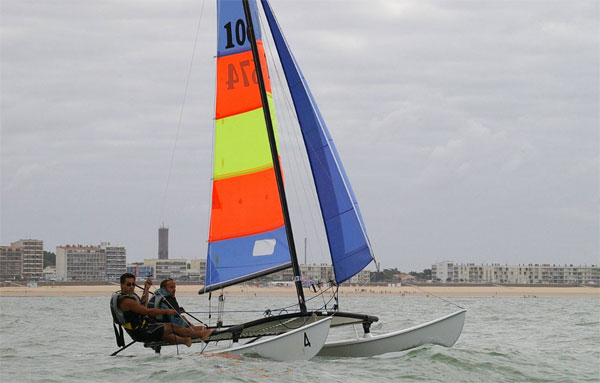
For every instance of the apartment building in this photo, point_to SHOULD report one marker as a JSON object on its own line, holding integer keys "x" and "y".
{"x": 116, "y": 262}
{"x": 11, "y": 263}
{"x": 443, "y": 271}
{"x": 363, "y": 277}
{"x": 33, "y": 258}
{"x": 167, "y": 268}
{"x": 80, "y": 263}
{"x": 515, "y": 274}
{"x": 317, "y": 273}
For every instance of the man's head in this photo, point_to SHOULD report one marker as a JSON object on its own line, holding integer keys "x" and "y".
{"x": 169, "y": 285}
{"x": 127, "y": 283}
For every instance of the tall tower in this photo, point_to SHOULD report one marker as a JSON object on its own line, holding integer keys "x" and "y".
{"x": 163, "y": 242}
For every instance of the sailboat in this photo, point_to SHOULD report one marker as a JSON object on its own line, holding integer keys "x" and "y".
{"x": 250, "y": 232}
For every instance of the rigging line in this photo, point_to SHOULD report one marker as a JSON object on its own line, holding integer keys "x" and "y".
{"x": 193, "y": 317}
{"x": 286, "y": 140}
{"x": 166, "y": 301}
{"x": 322, "y": 125}
{"x": 292, "y": 123}
{"x": 260, "y": 311}
{"x": 187, "y": 83}
{"x": 436, "y": 296}
{"x": 309, "y": 146}
{"x": 328, "y": 302}
{"x": 345, "y": 181}
{"x": 309, "y": 195}
{"x": 226, "y": 311}
{"x": 212, "y": 165}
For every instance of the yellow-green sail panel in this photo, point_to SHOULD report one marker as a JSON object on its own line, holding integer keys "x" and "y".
{"x": 241, "y": 143}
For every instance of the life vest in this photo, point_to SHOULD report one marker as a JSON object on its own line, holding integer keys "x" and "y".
{"x": 129, "y": 320}
{"x": 155, "y": 302}
{"x": 168, "y": 300}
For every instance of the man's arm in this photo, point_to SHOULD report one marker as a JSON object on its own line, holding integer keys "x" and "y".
{"x": 174, "y": 318}
{"x": 131, "y": 305}
{"x": 144, "y": 298}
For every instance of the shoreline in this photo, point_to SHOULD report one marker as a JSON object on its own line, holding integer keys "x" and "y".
{"x": 247, "y": 290}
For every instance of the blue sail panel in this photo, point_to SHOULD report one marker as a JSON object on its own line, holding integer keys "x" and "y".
{"x": 346, "y": 234}
{"x": 232, "y": 36}
{"x": 243, "y": 258}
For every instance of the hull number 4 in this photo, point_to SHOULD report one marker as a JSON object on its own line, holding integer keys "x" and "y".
{"x": 306, "y": 341}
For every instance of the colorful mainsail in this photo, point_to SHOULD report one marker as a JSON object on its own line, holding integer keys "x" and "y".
{"x": 247, "y": 234}
{"x": 348, "y": 242}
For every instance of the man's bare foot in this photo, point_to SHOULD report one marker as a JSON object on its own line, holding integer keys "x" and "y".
{"x": 188, "y": 342}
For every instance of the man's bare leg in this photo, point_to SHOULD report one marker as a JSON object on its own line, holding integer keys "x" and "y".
{"x": 172, "y": 338}
{"x": 203, "y": 332}
{"x": 191, "y": 332}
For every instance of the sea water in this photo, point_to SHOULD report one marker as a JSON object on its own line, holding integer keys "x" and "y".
{"x": 527, "y": 339}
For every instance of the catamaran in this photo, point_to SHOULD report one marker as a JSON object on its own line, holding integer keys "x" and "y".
{"x": 250, "y": 232}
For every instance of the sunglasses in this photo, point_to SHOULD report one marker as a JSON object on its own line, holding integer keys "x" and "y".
{"x": 128, "y": 284}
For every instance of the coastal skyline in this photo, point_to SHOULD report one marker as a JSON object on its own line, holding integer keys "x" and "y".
{"x": 469, "y": 131}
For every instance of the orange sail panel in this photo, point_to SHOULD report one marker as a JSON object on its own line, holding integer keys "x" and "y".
{"x": 237, "y": 85}
{"x": 245, "y": 205}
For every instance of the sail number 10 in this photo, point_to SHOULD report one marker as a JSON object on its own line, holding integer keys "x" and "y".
{"x": 240, "y": 33}
{"x": 238, "y": 72}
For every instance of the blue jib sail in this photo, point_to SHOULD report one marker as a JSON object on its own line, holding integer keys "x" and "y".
{"x": 346, "y": 234}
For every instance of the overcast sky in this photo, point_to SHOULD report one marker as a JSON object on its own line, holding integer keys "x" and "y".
{"x": 469, "y": 130}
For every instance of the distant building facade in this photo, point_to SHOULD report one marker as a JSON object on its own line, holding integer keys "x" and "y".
{"x": 443, "y": 271}
{"x": 50, "y": 273}
{"x": 105, "y": 262}
{"x": 116, "y": 260}
{"x": 11, "y": 263}
{"x": 515, "y": 274}
{"x": 197, "y": 270}
{"x": 167, "y": 268}
{"x": 178, "y": 269}
{"x": 141, "y": 271}
{"x": 317, "y": 273}
{"x": 33, "y": 258}
{"x": 80, "y": 263}
{"x": 363, "y": 277}
{"x": 320, "y": 273}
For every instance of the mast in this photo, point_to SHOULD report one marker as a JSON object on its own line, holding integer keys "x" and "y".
{"x": 305, "y": 251}
{"x": 275, "y": 157}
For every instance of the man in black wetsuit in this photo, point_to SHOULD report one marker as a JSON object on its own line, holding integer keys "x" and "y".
{"x": 131, "y": 312}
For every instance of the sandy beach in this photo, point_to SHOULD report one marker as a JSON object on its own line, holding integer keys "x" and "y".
{"x": 241, "y": 290}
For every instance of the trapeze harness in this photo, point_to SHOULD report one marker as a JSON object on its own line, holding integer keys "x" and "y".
{"x": 127, "y": 320}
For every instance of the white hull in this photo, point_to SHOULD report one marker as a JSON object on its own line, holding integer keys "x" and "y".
{"x": 300, "y": 344}
{"x": 443, "y": 331}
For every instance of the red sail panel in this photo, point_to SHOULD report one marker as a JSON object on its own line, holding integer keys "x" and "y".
{"x": 245, "y": 205}
{"x": 237, "y": 85}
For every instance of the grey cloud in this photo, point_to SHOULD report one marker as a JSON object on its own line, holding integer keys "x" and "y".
{"x": 469, "y": 129}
